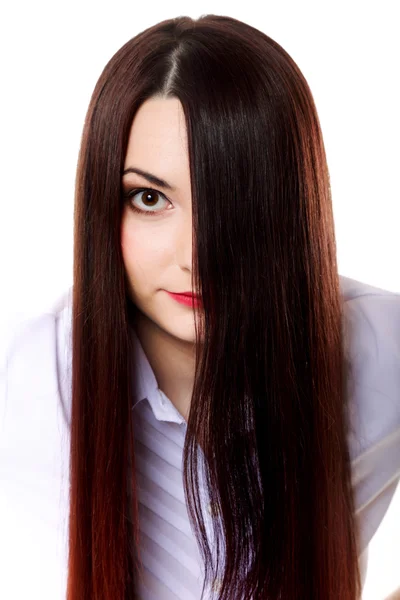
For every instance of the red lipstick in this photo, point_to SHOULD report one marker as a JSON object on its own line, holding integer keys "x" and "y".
{"x": 186, "y": 298}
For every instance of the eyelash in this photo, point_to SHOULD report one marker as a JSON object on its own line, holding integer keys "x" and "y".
{"x": 131, "y": 193}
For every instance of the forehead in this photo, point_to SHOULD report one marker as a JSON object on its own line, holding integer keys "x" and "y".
{"x": 158, "y": 139}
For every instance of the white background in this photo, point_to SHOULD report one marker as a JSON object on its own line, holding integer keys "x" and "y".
{"x": 52, "y": 54}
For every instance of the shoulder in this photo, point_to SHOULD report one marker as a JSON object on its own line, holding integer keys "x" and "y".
{"x": 30, "y": 353}
{"x": 34, "y": 361}
{"x": 370, "y": 310}
{"x": 34, "y": 455}
{"x": 371, "y": 328}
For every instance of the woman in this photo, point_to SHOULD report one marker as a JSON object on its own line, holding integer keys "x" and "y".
{"x": 246, "y": 438}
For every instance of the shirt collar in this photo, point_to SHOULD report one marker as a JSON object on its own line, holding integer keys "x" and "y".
{"x": 146, "y": 387}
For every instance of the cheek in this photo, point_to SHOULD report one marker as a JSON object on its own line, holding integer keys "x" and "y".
{"x": 134, "y": 250}
{"x": 144, "y": 249}
{"x": 128, "y": 240}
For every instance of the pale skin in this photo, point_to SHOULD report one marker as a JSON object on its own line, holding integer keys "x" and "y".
{"x": 157, "y": 249}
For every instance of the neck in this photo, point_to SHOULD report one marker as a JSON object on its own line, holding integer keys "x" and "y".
{"x": 172, "y": 361}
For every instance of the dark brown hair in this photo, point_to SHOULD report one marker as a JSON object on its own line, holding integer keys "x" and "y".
{"x": 269, "y": 399}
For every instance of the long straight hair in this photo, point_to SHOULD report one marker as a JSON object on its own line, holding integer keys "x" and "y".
{"x": 268, "y": 409}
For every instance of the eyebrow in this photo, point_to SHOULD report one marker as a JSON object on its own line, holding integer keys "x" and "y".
{"x": 149, "y": 177}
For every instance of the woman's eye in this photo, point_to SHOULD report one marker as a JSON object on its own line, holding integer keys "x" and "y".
{"x": 146, "y": 200}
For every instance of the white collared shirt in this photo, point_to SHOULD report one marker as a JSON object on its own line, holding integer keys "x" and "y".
{"x": 34, "y": 452}
{"x": 171, "y": 559}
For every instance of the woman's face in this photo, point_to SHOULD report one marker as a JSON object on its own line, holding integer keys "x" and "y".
{"x": 157, "y": 248}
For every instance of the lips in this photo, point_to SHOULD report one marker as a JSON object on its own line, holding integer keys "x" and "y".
{"x": 188, "y": 299}
{"x": 190, "y": 295}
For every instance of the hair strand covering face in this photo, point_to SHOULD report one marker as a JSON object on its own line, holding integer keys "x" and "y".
{"x": 268, "y": 414}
